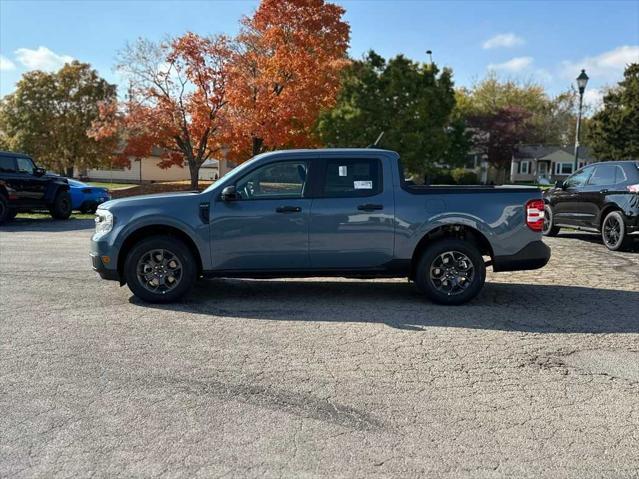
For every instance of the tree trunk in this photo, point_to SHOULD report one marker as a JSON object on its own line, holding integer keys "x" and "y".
{"x": 257, "y": 145}
{"x": 194, "y": 170}
{"x": 69, "y": 172}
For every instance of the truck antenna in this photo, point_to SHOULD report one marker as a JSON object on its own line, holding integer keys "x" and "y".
{"x": 374, "y": 145}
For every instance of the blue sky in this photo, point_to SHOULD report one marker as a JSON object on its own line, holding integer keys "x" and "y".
{"x": 547, "y": 42}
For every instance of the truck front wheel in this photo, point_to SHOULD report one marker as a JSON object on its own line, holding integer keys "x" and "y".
{"x": 451, "y": 271}
{"x": 61, "y": 207}
{"x": 160, "y": 269}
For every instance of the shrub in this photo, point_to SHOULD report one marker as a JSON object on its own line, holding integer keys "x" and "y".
{"x": 464, "y": 177}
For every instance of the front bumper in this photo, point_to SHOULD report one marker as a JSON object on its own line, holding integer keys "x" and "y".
{"x": 534, "y": 255}
{"x": 100, "y": 268}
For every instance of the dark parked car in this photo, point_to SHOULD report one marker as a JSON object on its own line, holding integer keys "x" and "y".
{"x": 603, "y": 197}
{"x": 25, "y": 187}
{"x": 342, "y": 212}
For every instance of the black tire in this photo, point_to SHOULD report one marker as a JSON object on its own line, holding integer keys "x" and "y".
{"x": 432, "y": 255}
{"x": 61, "y": 207}
{"x": 88, "y": 207}
{"x": 549, "y": 228}
{"x": 5, "y": 212}
{"x": 12, "y": 213}
{"x": 613, "y": 232}
{"x": 142, "y": 251}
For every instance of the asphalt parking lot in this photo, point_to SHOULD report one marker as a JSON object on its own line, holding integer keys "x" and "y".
{"x": 538, "y": 377}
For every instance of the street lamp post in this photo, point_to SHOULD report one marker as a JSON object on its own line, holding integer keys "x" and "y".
{"x": 582, "y": 81}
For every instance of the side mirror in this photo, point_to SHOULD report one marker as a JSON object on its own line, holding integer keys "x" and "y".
{"x": 229, "y": 194}
{"x": 560, "y": 185}
{"x": 39, "y": 171}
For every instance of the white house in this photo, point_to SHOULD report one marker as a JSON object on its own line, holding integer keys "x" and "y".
{"x": 545, "y": 163}
{"x": 147, "y": 170}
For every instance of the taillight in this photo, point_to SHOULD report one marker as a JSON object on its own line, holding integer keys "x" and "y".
{"x": 633, "y": 188}
{"x": 535, "y": 215}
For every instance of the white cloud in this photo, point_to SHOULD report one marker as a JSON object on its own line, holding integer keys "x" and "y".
{"x": 607, "y": 66}
{"x": 506, "y": 40}
{"x": 6, "y": 64}
{"x": 514, "y": 65}
{"x": 41, "y": 59}
{"x": 593, "y": 98}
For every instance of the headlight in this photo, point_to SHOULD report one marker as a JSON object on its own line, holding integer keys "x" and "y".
{"x": 103, "y": 221}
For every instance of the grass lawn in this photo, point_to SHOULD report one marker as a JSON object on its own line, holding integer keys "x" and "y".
{"x": 42, "y": 216}
{"x": 111, "y": 186}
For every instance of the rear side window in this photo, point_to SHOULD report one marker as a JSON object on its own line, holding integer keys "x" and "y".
{"x": 7, "y": 164}
{"x": 620, "y": 175}
{"x": 352, "y": 178}
{"x": 603, "y": 175}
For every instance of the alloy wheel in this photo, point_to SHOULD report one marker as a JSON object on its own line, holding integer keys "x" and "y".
{"x": 159, "y": 271}
{"x": 452, "y": 272}
{"x": 547, "y": 221}
{"x": 612, "y": 232}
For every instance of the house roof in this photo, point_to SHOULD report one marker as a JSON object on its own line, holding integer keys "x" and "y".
{"x": 550, "y": 152}
{"x": 210, "y": 164}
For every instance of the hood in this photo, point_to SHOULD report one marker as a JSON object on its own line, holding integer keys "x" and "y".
{"x": 155, "y": 200}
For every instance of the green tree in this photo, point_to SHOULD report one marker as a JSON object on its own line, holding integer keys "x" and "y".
{"x": 614, "y": 131}
{"x": 50, "y": 114}
{"x": 412, "y": 103}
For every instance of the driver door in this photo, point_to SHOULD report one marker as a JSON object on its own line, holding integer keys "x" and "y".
{"x": 266, "y": 227}
{"x": 568, "y": 202}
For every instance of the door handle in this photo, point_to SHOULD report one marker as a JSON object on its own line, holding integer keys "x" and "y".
{"x": 604, "y": 191}
{"x": 370, "y": 207}
{"x": 288, "y": 209}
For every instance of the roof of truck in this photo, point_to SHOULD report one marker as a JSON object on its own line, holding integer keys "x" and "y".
{"x": 331, "y": 151}
{"x": 13, "y": 154}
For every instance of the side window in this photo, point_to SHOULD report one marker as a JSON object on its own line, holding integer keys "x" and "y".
{"x": 285, "y": 179}
{"x": 620, "y": 175}
{"x": 7, "y": 164}
{"x": 579, "y": 179}
{"x": 352, "y": 178}
{"x": 603, "y": 175}
{"x": 25, "y": 165}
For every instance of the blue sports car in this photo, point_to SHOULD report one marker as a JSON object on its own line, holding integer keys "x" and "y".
{"x": 86, "y": 198}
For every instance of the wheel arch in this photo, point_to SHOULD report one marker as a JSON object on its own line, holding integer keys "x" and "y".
{"x": 156, "y": 230}
{"x": 455, "y": 231}
{"x": 53, "y": 189}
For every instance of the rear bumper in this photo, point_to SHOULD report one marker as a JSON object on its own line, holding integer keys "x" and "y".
{"x": 534, "y": 255}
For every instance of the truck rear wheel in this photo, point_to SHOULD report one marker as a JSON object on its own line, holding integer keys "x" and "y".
{"x": 61, "y": 207}
{"x": 160, "y": 269}
{"x": 451, "y": 271}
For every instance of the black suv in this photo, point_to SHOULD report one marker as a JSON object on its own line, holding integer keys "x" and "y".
{"x": 602, "y": 197}
{"x": 25, "y": 187}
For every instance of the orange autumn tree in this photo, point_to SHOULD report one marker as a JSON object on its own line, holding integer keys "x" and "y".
{"x": 174, "y": 105}
{"x": 285, "y": 70}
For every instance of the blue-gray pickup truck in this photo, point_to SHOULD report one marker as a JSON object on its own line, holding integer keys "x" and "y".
{"x": 333, "y": 212}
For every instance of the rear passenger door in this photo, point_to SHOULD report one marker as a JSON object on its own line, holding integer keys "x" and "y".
{"x": 352, "y": 215}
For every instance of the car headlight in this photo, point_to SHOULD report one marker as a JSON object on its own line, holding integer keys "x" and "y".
{"x": 103, "y": 221}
